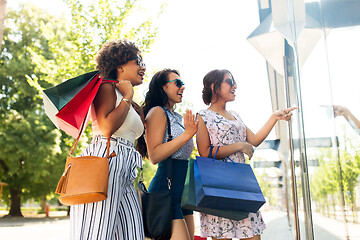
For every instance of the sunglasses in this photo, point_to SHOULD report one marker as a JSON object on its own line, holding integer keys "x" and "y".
{"x": 139, "y": 61}
{"x": 230, "y": 81}
{"x": 178, "y": 82}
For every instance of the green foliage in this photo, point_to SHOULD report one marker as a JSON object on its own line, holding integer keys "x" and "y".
{"x": 30, "y": 145}
{"x": 22, "y": 35}
{"x": 325, "y": 181}
{"x": 93, "y": 23}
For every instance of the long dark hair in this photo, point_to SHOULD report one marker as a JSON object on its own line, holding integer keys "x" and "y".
{"x": 155, "y": 96}
{"x": 215, "y": 77}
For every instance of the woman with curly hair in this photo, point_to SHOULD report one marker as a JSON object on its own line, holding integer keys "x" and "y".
{"x": 165, "y": 90}
{"x": 114, "y": 115}
{"x": 225, "y": 131}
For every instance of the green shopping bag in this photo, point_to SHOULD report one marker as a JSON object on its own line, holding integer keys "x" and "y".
{"x": 188, "y": 200}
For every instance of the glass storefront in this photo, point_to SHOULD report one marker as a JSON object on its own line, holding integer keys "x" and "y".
{"x": 311, "y": 49}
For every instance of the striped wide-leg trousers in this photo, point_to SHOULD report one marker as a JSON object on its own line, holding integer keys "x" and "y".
{"x": 119, "y": 216}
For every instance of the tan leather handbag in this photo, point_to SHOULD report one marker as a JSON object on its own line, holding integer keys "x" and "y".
{"x": 85, "y": 179}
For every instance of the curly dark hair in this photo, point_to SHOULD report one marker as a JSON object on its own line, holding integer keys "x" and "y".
{"x": 113, "y": 54}
{"x": 215, "y": 77}
{"x": 155, "y": 96}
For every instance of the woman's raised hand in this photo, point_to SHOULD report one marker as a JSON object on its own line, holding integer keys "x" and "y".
{"x": 284, "y": 114}
{"x": 191, "y": 125}
{"x": 340, "y": 111}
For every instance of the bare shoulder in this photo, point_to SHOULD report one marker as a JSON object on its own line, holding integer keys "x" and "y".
{"x": 155, "y": 114}
{"x": 198, "y": 116}
{"x": 106, "y": 90}
{"x": 107, "y": 86}
{"x": 105, "y": 94}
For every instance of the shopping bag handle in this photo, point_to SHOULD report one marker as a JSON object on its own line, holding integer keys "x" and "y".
{"x": 230, "y": 160}
{"x": 211, "y": 147}
{"x": 105, "y": 80}
{"x": 210, "y": 151}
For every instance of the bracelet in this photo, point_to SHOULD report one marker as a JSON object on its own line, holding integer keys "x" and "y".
{"x": 127, "y": 101}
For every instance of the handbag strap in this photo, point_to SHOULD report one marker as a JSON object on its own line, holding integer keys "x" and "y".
{"x": 72, "y": 149}
{"x": 168, "y": 162}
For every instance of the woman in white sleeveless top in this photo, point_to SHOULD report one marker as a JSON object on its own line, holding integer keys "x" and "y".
{"x": 119, "y": 216}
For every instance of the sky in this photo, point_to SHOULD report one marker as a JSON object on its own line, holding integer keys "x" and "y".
{"x": 197, "y": 36}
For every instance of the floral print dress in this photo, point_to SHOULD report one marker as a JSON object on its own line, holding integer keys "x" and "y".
{"x": 224, "y": 132}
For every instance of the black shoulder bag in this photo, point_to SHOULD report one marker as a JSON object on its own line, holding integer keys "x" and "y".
{"x": 156, "y": 206}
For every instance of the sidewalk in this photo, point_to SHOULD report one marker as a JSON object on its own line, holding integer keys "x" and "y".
{"x": 332, "y": 229}
{"x": 277, "y": 226}
{"x": 31, "y": 219}
{"x": 324, "y": 228}
{"x": 57, "y": 227}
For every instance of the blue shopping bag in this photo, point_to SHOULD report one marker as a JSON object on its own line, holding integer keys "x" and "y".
{"x": 226, "y": 185}
{"x": 188, "y": 200}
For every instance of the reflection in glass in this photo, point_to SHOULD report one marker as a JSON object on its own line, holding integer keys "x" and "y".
{"x": 320, "y": 76}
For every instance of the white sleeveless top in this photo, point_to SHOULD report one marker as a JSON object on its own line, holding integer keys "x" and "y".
{"x": 131, "y": 129}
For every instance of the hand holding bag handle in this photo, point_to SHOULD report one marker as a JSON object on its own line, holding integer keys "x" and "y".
{"x": 156, "y": 206}
{"x": 217, "y": 149}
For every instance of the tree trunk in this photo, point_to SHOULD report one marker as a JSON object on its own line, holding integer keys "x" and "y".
{"x": 15, "y": 210}
{"x": 2, "y": 19}
{"x": 43, "y": 204}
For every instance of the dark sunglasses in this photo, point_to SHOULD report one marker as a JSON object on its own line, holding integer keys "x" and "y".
{"x": 230, "y": 81}
{"x": 139, "y": 61}
{"x": 178, "y": 82}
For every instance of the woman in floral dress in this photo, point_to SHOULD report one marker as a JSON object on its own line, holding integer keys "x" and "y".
{"x": 221, "y": 127}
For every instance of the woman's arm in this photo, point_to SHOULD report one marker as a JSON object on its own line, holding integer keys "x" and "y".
{"x": 109, "y": 117}
{"x": 259, "y": 137}
{"x": 352, "y": 120}
{"x": 155, "y": 129}
{"x": 203, "y": 144}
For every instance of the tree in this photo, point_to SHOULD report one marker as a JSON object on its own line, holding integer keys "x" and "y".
{"x": 28, "y": 139}
{"x": 351, "y": 173}
{"x": 41, "y": 50}
{"x": 27, "y": 158}
{"x": 92, "y": 24}
{"x": 325, "y": 181}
